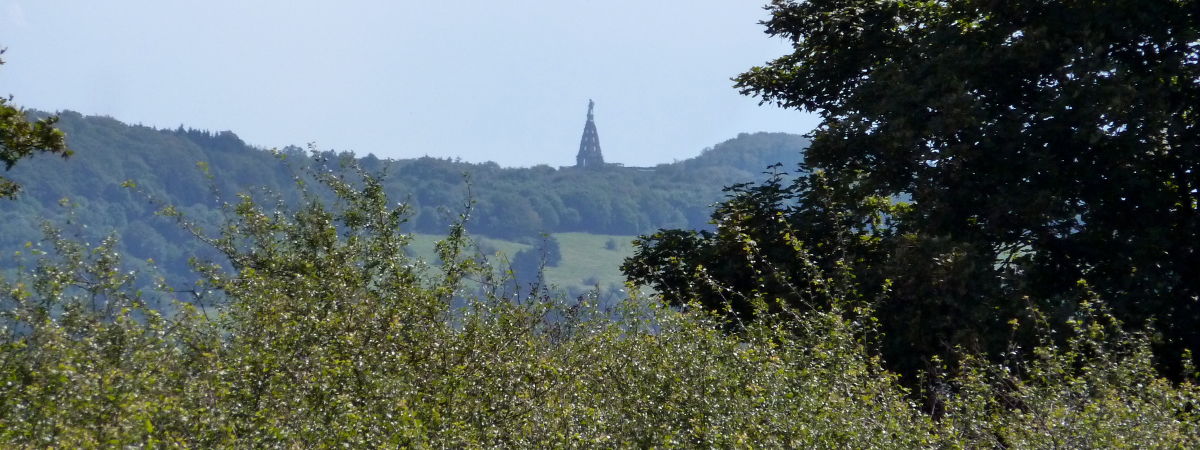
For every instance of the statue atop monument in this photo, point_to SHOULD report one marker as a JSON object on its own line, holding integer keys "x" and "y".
{"x": 589, "y": 156}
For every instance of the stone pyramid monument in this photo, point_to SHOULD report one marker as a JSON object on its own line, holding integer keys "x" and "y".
{"x": 589, "y": 156}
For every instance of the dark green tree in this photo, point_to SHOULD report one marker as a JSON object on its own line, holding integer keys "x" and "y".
{"x": 1041, "y": 143}
{"x": 795, "y": 240}
{"x": 528, "y": 265}
{"x": 21, "y": 137}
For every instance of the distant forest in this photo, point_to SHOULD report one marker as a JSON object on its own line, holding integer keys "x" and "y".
{"x": 196, "y": 171}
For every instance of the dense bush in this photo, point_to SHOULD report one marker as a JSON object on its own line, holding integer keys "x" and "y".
{"x": 325, "y": 333}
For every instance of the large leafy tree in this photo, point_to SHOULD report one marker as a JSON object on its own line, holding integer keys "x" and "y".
{"x": 1040, "y": 143}
{"x": 21, "y": 137}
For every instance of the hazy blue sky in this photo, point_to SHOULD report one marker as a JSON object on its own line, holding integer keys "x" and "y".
{"x": 506, "y": 81}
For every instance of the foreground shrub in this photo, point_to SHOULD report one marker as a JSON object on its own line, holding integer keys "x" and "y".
{"x": 1098, "y": 390}
{"x": 324, "y": 333}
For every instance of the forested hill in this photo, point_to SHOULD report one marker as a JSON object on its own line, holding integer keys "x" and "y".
{"x": 515, "y": 202}
{"x": 189, "y": 168}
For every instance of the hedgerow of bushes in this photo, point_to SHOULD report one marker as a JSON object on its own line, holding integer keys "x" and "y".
{"x": 322, "y": 332}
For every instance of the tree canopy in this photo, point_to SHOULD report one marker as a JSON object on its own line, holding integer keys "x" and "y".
{"x": 1042, "y": 149}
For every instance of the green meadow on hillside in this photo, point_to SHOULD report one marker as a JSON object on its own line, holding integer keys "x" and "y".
{"x": 588, "y": 260}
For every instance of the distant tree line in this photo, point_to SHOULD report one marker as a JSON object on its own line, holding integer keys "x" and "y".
{"x": 521, "y": 203}
{"x": 197, "y": 170}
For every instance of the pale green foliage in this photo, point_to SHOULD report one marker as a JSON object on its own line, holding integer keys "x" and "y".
{"x": 326, "y": 334}
{"x": 1098, "y": 390}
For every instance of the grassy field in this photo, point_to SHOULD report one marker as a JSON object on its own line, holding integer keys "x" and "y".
{"x": 587, "y": 259}
{"x": 422, "y": 246}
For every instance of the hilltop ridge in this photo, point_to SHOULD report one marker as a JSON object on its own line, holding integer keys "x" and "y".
{"x": 197, "y": 170}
